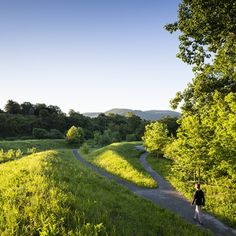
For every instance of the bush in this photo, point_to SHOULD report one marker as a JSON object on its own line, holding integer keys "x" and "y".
{"x": 85, "y": 148}
{"x": 75, "y": 135}
{"x": 11, "y": 154}
{"x": 44, "y": 134}
{"x": 40, "y": 133}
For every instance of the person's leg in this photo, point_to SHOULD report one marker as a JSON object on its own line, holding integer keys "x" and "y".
{"x": 200, "y": 214}
{"x": 196, "y": 213}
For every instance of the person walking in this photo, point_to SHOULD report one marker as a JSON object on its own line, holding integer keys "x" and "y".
{"x": 199, "y": 201}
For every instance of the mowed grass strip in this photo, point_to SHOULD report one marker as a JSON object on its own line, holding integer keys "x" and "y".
{"x": 52, "y": 193}
{"x": 122, "y": 159}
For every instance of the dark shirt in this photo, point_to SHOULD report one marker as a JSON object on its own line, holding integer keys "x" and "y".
{"x": 199, "y": 198}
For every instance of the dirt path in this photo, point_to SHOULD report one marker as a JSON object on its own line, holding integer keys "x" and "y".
{"x": 165, "y": 196}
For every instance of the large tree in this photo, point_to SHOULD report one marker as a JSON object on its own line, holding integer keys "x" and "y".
{"x": 12, "y": 107}
{"x": 207, "y": 29}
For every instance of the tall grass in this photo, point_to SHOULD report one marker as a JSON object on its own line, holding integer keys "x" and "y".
{"x": 220, "y": 200}
{"x": 122, "y": 159}
{"x": 51, "y": 193}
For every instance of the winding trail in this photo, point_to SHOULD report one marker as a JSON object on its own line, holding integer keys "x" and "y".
{"x": 165, "y": 196}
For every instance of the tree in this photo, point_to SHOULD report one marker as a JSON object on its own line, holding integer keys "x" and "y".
{"x": 27, "y": 108}
{"x": 208, "y": 29}
{"x": 205, "y": 27}
{"x": 207, "y": 141}
{"x": 171, "y": 123}
{"x": 155, "y": 137}
{"x": 12, "y": 107}
{"x": 40, "y": 133}
{"x": 75, "y": 135}
{"x": 205, "y": 138}
{"x": 39, "y": 107}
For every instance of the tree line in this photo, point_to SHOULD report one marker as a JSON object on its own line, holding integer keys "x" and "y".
{"x": 30, "y": 120}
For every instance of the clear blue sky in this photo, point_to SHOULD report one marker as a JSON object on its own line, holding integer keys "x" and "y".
{"x": 90, "y": 55}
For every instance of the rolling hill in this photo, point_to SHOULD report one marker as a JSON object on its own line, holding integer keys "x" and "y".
{"x": 145, "y": 115}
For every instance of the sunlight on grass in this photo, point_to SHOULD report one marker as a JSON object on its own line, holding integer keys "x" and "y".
{"x": 224, "y": 208}
{"x": 122, "y": 159}
{"x": 52, "y": 193}
{"x": 116, "y": 164}
{"x": 38, "y": 144}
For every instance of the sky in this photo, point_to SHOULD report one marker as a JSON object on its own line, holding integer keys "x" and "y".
{"x": 90, "y": 55}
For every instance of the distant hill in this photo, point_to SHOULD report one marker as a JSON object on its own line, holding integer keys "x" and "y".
{"x": 145, "y": 115}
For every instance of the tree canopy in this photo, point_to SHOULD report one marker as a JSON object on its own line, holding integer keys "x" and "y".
{"x": 155, "y": 137}
{"x": 207, "y": 29}
{"x": 206, "y": 137}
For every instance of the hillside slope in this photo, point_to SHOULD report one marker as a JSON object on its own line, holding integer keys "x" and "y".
{"x": 51, "y": 193}
{"x": 145, "y": 115}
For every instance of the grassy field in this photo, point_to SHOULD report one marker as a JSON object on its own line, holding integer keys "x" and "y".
{"x": 12, "y": 150}
{"x": 122, "y": 159}
{"x": 51, "y": 193}
{"x": 220, "y": 200}
{"x": 39, "y": 145}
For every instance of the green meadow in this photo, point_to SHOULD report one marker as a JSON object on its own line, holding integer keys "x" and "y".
{"x": 39, "y": 145}
{"x": 52, "y": 193}
{"x": 122, "y": 159}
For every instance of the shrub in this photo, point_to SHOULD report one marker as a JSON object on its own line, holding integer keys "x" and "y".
{"x": 75, "y": 135}
{"x": 85, "y": 148}
{"x": 31, "y": 150}
{"x": 40, "y": 133}
{"x": 10, "y": 155}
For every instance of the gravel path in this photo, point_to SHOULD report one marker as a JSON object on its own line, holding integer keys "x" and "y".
{"x": 165, "y": 196}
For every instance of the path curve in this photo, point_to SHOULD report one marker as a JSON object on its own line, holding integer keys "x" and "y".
{"x": 165, "y": 196}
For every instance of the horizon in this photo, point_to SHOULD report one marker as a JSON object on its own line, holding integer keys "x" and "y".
{"x": 115, "y": 108}
{"x": 90, "y": 56}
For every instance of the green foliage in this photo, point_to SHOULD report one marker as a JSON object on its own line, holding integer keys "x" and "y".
{"x": 155, "y": 137}
{"x": 85, "y": 148}
{"x": 171, "y": 123}
{"x": 131, "y": 137}
{"x": 108, "y": 137}
{"x": 12, "y": 107}
{"x": 31, "y": 150}
{"x": 27, "y": 146}
{"x": 51, "y": 193}
{"x": 55, "y": 134}
{"x": 206, "y": 137}
{"x": 204, "y": 26}
{"x": 111, "y": 127}
{"x": 40, "y": 133}
{"x": 208, "y": 141}
{"x": 122, "y": 159}
{"x": 75, "y": 135}
{"x": 10, "y": 154}
{"x": 220, "y": 200}
{"x": 200, "y": 37}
